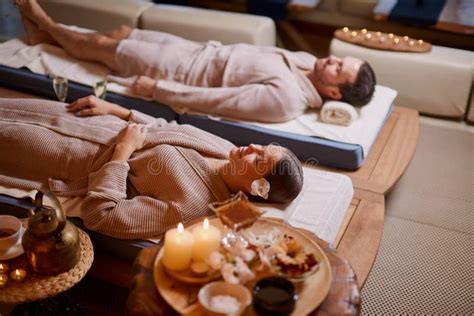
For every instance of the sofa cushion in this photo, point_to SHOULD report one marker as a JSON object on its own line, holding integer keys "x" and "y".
{"x": 436, "y": 83}
{"x": 103, "y": 15}
{"x": 204, "y": 24}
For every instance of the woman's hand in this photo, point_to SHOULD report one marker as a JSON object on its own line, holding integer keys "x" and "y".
{"x": 144, "y": 86}
{"x": 129, "y": 140}
{"x": 91, "y": 105}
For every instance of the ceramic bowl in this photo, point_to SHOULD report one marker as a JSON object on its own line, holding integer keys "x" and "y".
{"x": 210, "y": 290}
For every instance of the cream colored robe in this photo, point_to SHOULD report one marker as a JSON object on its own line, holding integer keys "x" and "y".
{"x": 242, "y": 81}
{"x": 43, "y": 147}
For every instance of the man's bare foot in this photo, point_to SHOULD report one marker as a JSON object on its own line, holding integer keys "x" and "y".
{"x": 121, "y": 33}
{"x": 30, "y": 9}
{"x": 34, "y": 34}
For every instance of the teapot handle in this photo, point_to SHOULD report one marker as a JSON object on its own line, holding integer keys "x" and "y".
{"x": 59, "y": 212}
{"x": 37, "y": 202}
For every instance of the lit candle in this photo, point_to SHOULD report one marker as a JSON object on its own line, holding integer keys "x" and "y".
{"x": 354, "y": 34}
{"x": 178, "y": 248}
{"x": 207, "y": 238}
{"x": 3, "y": 280}
{"x": 406, "y": 38}
{"x": 420, "y": 42}
{"x": 345, "y": 29}
{"x": 390, "y": 35}
{"x": 364, "y": 31}
{"x": 378, "y": 34}
{"x": 368, "y": 36}
{"x": 3, "y": 268}
{"x": 396, "y": 40}
{"x": 18, "y": 275}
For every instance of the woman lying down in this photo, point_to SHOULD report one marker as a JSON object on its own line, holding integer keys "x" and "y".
{"x": 137, "y": 179}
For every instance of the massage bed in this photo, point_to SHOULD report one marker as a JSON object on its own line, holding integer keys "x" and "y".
{"x": 25, "y": 67}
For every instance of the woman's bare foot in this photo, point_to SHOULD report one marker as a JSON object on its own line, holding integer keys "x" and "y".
{"x": 31, "y": 9}
{"x": 121, "y": 33}
{"x": 34, "y": 34}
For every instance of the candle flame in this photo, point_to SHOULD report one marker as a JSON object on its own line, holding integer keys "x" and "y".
{"x": 17, "y": 272}
{"x": 205, "y": 225}
{"x": 180, "y": 228}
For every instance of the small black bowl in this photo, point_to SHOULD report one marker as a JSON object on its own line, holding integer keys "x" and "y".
{"x": 274, "y": 296}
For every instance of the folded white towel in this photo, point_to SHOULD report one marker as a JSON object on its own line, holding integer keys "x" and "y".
{"x": 339, "y": 113}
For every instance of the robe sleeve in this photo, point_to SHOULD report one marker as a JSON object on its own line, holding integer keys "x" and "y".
{"x": 106, "y": 208}
{"x": 277, "y": 100}
{"x": 142, "y": 118}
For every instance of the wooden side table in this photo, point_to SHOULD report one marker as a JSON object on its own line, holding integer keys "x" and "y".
{"x": 37, "y": 287}
{"x": 343, "y": 297}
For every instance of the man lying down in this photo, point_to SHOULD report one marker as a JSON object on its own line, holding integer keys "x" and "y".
{"x": 137, "y": 179}
{"x": 242, "y": 81}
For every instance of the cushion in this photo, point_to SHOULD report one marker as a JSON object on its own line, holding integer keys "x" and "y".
{"x": 104, "y": 15}
{"x": 436, "y": 83}
{"x": 204, "y": 24}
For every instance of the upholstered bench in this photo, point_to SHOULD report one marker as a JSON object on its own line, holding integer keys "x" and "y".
{"x": 436, "y": 83}
{"x": 191, "y": 23}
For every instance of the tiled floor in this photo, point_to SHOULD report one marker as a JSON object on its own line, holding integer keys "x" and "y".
{"x": 424, "y": 264}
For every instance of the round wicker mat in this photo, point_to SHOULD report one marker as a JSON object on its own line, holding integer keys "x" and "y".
{"x": 41, "y": 287}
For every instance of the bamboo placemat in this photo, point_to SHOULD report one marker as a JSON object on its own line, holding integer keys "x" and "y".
{"x": 40, "y": 287}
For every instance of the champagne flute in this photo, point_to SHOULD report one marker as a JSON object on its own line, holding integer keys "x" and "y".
{"x": 100, "y": 88}
{"x": 60, "y": 87}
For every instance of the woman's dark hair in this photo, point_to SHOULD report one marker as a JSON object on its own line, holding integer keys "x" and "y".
{"x": 360, "y": 92}
{"x": 285, "y": 178}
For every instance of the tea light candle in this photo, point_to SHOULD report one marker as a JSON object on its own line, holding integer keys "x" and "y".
{"x": 3, "y": 268}
{"x": 178, "y": 248}
{"x": 345, "y": 29}
{"x": 3, "y": 280}
{"x": 207, "y": 238}
{"x": 364, "y": 31}
{"x": 18, "y": 275}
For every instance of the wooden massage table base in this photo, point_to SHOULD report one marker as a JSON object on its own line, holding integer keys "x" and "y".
{"x": 360, "y": 234}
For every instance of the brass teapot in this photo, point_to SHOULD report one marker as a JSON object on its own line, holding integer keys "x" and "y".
{"x": 51, "y": 242}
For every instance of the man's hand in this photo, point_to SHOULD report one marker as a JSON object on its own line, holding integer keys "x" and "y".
{"x": 91, "y": 105}
{"x": 144, "y": 86}
{"x": 129, "y": 140}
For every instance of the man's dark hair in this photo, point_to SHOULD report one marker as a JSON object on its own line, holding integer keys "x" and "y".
{"x": 361, "y": 91}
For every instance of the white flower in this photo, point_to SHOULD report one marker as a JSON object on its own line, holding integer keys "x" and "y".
{"x": 260, "y": 187}
{"x": 229, "y": 273}
{"x": 216, "y": 260}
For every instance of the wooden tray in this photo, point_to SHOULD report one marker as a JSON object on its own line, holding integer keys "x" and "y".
{"x": 311, "y": 292}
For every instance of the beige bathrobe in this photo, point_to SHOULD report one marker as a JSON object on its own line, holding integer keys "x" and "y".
{"x": 242, "y": 81}
{"x": 43, "y": 147}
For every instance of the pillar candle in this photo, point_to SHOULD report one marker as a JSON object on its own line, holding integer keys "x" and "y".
{"x": 207, "y": 239}
{"x": 177, "y": 249}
